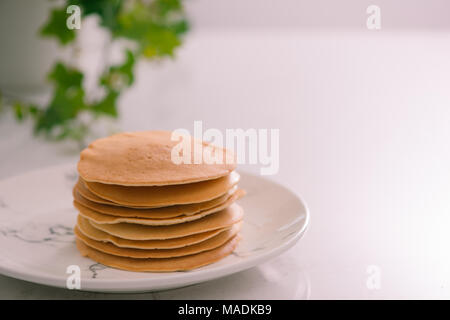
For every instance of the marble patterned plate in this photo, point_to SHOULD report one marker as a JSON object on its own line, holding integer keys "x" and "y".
{"x": 37, "y": 241}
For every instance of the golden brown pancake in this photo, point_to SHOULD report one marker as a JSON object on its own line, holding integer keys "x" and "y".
{"x": 91, "y": 232}
{"x": 145, "y": 159}
{"x": 157, "y": 213}
{"x": 101, "y": 218}
{"x": 218, "y": 220}
{"x": 165, "y": 195}
{"x": 206, "y": 245}
{"x": 160, "y": 265}
{"x": 81, "y": 188}
{"x": 141, "y": 210}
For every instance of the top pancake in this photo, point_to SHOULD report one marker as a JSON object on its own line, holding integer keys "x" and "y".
{"x": 144, "y": 159}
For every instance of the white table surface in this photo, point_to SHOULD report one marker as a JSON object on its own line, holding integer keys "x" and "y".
{"x": 364, "y": 123}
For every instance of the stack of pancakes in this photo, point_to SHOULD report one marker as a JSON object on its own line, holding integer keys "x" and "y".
{"x": 141, "y": 211}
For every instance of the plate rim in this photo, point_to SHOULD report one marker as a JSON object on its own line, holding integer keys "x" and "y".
{"x": 182, "y": 279}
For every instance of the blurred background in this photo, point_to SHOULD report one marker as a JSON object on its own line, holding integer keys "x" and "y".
{"x": 363, "y": 116}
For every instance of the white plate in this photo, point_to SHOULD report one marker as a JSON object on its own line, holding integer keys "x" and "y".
{"x": 37, "y": 242}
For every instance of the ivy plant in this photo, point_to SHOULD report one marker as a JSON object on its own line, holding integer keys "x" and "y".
{"x": 155, "y": 27}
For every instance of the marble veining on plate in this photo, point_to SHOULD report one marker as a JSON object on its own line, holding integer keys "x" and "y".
{"x": 37, "y": 240}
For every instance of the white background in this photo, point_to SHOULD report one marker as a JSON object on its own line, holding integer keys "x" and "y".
{"x": 364, "y": 119}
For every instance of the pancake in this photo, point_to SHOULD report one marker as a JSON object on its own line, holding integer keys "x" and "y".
{"x": 218, "y": 220}
{"x": 145, "y": 159}
{"x": 90, "y": 231}
{"x": 155, "y": 213}
{"x": 206, "y": 245}
{"x": 140, "y": 209}
{"x": 81, "y": 188}
{"x": 165, "y": 195}
{"x": 108, "y": 219}
{"x": 159, "y": 265}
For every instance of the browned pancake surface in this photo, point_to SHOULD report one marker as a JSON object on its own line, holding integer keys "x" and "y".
{"x": 218, "y": 220}
{"x": 90, "y": 231}
{"x": 145, "y": 159}
{"x": 101, "y": 218}
{"x": 164, "y": 195}
{"x": 208, "y": 244}
{"x": 160, "y": 265}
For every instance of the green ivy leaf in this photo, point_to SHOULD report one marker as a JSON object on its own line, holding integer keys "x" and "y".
{"x": 155, "y": 27}
{"x": 118, "y": 77}
{"x": 64, "y": 106}
{"x": 156, "y": 34}
{"x": 165, "y": 7}
{"x": 107, "y": 105}
{"x": 19, "y": 111}
{"x": 67, "y": 101}
{"x": 56, "y": 27}
{"x": 107, "y": 10}
{"x": 65, "y": 77}
{"x": 159, "y": 42}
{"x": 23, "y": 110}
{"x": 180, "y": 27}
